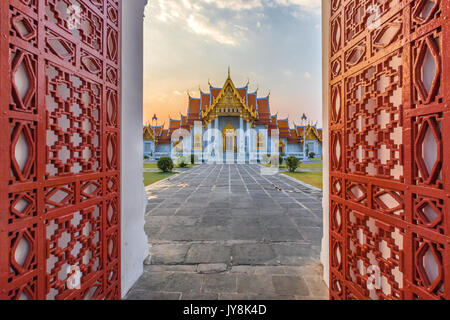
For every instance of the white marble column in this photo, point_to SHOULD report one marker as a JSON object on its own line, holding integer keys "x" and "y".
{"x": 324, "y": 255}
{"x": 134, "y": 243}
{"x": 247, "y": 137}
{"x": 217, "y": 139}
{"x": 241, "y": 142}
{"x": 208, "y": 142}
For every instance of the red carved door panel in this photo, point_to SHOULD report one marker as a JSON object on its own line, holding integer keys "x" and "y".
{"x": 59, "y": 159}
{"x": 389, "y": 162}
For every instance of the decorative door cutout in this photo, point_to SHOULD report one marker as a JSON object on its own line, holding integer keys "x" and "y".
{"x": 60, "y": 135}
{"x": 389, "y": 110}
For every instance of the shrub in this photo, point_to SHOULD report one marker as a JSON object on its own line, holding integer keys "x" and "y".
{"x": 292, "y": 163}
{"x": 265, "y": 158}
{"x": 165, "y": 164}
{"x": 273, "y": 159}
{"x": 183, "y": 161}
{"x": 312, "y": 155}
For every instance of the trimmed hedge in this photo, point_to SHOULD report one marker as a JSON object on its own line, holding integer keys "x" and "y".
{"x": 165, "y": 164}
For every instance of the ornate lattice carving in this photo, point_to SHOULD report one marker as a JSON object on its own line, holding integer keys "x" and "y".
{"x": 389, "y": 194}
{"x": 60, "y": 123}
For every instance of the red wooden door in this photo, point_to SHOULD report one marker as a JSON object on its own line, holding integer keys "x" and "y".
{"x": 389, "y": 181}
{"x": 59, "y": 140}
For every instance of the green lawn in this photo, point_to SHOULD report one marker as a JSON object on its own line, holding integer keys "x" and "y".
{"x": 313, "y": 178}
{"x": 152, "y": 177}
{"x": 311, "y": 165}
{"x": 150, "y": 165}
{"x": 153, "y": 165}
{"x": 303, "y": 165}
{"x": 188, "y": 166}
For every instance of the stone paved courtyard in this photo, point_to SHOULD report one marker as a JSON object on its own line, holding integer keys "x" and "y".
{"x": 228, "y": 232}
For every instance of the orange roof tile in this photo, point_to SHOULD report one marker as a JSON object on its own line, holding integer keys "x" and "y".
{"x": 293, "y": 136}
{"x": 252, "y": 101}
{"x": 174, "y": 125}
{"x": 206, "y": 99}
{"x": 165, "y": 136}
{"x": 194, "y": 106}
{"x": 242, "y": 92}
{"x": 283, "y": 127}
{"x": 184, "y": 121}
{"x": 194, "y": 112}
{"x": 263, "y": 111}
{"x": 215, "y": 92}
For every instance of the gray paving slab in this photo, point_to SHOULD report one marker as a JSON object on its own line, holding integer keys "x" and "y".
{"x": 228, "y": 232}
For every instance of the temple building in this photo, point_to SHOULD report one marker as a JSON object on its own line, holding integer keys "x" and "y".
{"x": 232, "y": 122}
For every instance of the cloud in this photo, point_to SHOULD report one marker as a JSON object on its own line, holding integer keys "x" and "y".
{"x": 307, "y": 75}
{"x": 201, "y": 25}
{"x": 313, "y": 6}
{"x": 199, "y": 17}
{"x": 235, "y": 5}
{"x": 227, "y": 22}
{"x": 287, "y": 72}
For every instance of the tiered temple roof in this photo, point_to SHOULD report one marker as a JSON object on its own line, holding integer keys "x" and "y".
{"x": 257, "y": 108}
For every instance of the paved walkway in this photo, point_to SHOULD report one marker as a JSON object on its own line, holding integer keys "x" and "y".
{"x": 227, "y": 232}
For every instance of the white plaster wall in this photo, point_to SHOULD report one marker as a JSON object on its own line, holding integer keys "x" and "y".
{"x": 324, "y": 256}
{"x": 133, "y": 198}
{"x": 294, "y": 148}
{"x": 163, "y": 148}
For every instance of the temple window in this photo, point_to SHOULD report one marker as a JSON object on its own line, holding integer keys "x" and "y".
{"x": 198, "y": 141}
{"x": 260, "y": 141}
{"x": 280, "y": 146}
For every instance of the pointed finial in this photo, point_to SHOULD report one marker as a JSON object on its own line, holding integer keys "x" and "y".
{"x": 209, "y": 83}
{"x": 248, "y": 82}
{"x": 268, "y": 94}
{"x": 229, "y": 72}
{"x": 188, "y": 93}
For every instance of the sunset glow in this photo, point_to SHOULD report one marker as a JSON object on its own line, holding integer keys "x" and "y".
{"x": 273, "y": 44}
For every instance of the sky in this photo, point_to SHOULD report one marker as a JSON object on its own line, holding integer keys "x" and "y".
{"x": 273, "y": 44}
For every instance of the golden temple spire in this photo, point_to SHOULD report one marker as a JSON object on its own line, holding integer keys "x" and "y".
{"x": 229, "y": 72}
